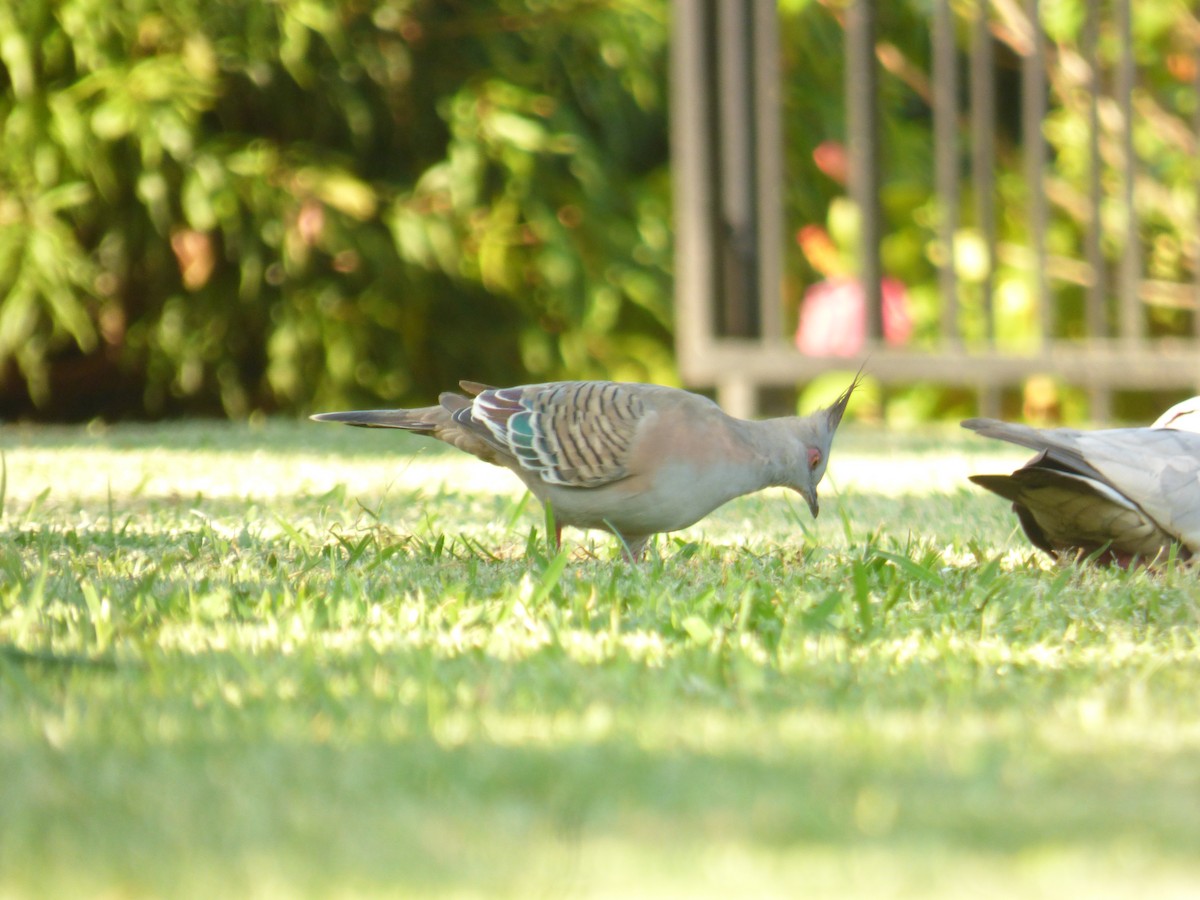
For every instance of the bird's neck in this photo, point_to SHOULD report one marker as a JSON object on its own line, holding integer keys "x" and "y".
{"x": 773, "y": 447}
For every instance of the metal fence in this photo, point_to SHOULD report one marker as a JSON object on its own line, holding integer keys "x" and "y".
{"x": 730, "y": 241}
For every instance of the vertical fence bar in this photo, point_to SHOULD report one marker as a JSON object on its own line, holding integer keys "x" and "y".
{"x": 1033, "y": 102}
{"x": 1097, "y": 288}
{"x": 692, "y": 140}
{"x": 1133, "y": 321}
{"x": 737, "y": 177}
{"x": 945, "y": 128}
{"x": 863, "y": 139}
{"x": 1095, "y": 319}
{"x": 1196, "y": 224}
{"x": 983, "y": 150}
{"x": 983, "y": 178}
{"x": 769, "y": 119}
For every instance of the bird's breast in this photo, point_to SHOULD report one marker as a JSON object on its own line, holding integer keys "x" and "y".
{"x": 673, "y": 496}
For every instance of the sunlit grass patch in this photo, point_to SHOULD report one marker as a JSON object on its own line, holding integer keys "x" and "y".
{"x": 296, "y": 660}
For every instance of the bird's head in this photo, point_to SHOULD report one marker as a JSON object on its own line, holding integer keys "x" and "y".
{"x": 811, "y": 441}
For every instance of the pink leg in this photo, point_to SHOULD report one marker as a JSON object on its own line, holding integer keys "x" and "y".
{"x": 635, "y": 548}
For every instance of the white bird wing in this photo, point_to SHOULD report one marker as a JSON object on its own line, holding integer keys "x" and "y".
{"x": 1157, "y": 468}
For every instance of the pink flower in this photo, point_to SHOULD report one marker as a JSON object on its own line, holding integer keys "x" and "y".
{"x": 833, "y": 319}
{"x": 832, "y": 159}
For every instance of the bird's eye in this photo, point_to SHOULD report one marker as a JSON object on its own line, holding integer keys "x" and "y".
{"x": 814, "y": 457}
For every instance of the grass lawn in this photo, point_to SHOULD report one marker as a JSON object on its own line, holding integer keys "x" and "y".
{"x": 304, "y": 660}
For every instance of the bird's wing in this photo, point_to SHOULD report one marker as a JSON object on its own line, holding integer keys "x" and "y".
{"x": 1060, "y": 510}
{"x": 572, "y": 433}
{"x": 475, "y": 388}
{"x": 1158, "y": 469}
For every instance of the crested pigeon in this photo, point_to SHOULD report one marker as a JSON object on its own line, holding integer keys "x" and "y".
{"x": 1118, "y": 495}
{"x": 630, "y": 459}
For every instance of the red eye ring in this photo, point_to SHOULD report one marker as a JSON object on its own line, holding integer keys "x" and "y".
{"x": 814, "y": 457}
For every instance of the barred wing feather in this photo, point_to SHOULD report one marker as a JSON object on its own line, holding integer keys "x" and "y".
{"x": 574, "y": 433}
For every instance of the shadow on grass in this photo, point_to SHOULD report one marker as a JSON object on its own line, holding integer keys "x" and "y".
{"x": 323, "y": 815}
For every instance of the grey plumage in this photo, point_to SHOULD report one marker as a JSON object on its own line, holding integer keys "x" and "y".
{"x": 1124, "y": 494}
{"x": 631, "y": 459}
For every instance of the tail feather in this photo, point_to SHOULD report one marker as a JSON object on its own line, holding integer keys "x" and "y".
{"x": 1004, "y": 485}
{"x": 449, "y": 422}
{"x": 1010, "y": 432}
{"x": 1059, "y": 448}
{"x": 421, "y": 421}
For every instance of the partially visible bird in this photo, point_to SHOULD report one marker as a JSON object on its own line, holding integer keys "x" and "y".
{"x": 1119, "y": 495}
{"x": 1183, "y": 416}
{"x": 631, "y": 459}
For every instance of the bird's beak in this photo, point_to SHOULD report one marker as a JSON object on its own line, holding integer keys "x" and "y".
{"x": 810, "y": 497}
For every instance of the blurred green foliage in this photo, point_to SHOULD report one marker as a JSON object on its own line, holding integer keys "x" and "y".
{"x": 223, "y": 206}
{"x": 226, "y": 205}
